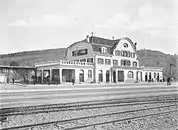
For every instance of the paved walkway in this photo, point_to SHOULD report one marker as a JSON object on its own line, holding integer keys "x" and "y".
{"x": 45, "y": 87}
{"x": 40, "y": 94}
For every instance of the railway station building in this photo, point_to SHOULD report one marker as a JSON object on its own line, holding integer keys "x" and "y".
{"x": 98, "y": 60}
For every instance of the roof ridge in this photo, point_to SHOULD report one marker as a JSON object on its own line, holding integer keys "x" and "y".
{"x": 102, "y": 44}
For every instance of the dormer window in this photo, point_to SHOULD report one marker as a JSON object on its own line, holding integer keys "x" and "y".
{"x": 103, "y": 49}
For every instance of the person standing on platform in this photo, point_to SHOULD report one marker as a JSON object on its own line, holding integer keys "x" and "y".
{"x": 168, "y": 81}
{"x": 13, "y": 80}
{"x": 73, "y": 81}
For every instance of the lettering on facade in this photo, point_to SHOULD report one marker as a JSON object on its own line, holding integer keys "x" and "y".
{"x": 80, "y": 52}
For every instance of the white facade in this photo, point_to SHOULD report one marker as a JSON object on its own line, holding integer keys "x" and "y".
{"x": 2, "y": 78}
{"x": 101, "y": 60}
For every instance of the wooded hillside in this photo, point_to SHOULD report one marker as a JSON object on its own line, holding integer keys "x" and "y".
{"x": 159, "y": 59}
{"x": 147, "y": 58}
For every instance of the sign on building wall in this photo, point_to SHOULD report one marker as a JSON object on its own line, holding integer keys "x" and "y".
{"x": 80, "y": 52}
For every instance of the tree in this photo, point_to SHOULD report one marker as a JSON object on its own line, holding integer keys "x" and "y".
{"x": 19, "y": 73}
{"x": 14, "y": 63}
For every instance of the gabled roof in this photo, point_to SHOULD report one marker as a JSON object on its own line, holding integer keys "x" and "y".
{"x": 126, "y": 38}
{"x": 98, "y": 42}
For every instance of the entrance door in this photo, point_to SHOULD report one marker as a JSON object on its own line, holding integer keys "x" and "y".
{"x": 107, "y": 76}
{"x": 150, "y": 77}
{"x": 140, "y": 76}
{"x": 146, "y": 77}
{"x": 120, "y": 76}
{"x": 68, "y": 75}
{"x": 55, "y": 76}
{"x": 100, "y": 76}
{"x": 81, "y": 76}
{"x": 137, "y": 75}
{"x": 46, "y": 76}
{"x": 114, "y": 76}
{"x": 39, "y": 76}
{"x": 158, "y": 77}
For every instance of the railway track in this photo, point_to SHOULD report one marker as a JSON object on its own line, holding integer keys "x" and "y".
{"x": 95, "y": 119}
{"x": 72, "y": 97}
{"x": 4, "y": 112}
{"x": 100, "y": 119}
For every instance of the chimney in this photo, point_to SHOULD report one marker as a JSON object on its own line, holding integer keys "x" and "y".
{"x": 91, "y": 38}
{"x": 87, "y": 38}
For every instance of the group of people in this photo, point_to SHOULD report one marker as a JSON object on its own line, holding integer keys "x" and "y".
{"x": 73, "y": 80}
{"x": 33, "y": 77}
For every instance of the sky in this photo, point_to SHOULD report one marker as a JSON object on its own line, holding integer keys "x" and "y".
{"x": 44, "y": 24}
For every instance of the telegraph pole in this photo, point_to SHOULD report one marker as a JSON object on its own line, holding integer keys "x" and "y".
{"x": 171, "y": 76}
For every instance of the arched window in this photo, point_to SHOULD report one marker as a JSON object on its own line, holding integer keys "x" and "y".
{"x": 130, "y": 75}
{"x": 146, "y": 76}
{"x": 114, "y": 76}
{"x": 107, "y": 76}
{"x": 154, "y": 75}
{"x": 100, "y": 76}
{"x": 89, "y": 74}
{"x": 134, "y": 64}
{"x": 150, "y": 76}
{"x": 81, "y": 75}
{"x": 158, "y": 77}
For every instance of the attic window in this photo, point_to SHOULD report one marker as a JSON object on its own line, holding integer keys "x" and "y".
{"x": 125, "y": 45}
{"x": 103, "y": 49}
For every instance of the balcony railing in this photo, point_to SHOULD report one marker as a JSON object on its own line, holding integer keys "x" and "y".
{"x": 63, "y": 62}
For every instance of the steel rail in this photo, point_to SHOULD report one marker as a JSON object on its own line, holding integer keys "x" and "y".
{"x": 89, "y": 103}
{"x": 130, "y": 99}
{"x": 68, "y": 106}
{"x": 94, "y": 116}
{"x": 46, "y": 98}
{"x": 120, "y": 120}
{"x": 86, "y": 107}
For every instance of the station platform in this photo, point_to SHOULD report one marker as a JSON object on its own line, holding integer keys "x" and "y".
{"x": 15, "y": 95}
{"x": 68, "y": 86}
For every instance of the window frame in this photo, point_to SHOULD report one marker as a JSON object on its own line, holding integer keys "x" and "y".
{"x": 125, "y": 63}
{"x": 134, "y": 64}
{"x": 103, "y": 50}
{"x": 90, "y": 60}
{"x": 108, "y": 61}
{"x": 100, "y": 61}
{"x": 115, "y": 62}
{"x": 117, "y": 53}
{"x": 130, "y": 75}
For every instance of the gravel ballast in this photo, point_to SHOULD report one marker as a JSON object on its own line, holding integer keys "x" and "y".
{"x": 156, "y": 122}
